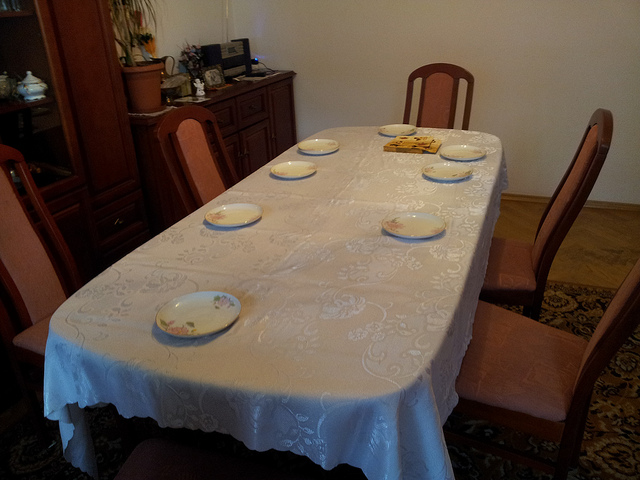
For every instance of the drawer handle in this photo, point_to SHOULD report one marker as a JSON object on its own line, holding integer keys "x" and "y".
{"x": 254, "y": 107}
{"x": 118, "y": 222}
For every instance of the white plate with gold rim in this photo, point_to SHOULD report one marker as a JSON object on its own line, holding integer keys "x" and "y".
{"x": 198, "y": 314}
{"x": 447, "y": 172}
{"x": 294, "y": 169}
{"x": 318, "y": 146}
{"x": 234, "y": 215}
{"x": 397, "y": 129}
{"x": 462, "y": 153}
{"x": 413, "y": 225}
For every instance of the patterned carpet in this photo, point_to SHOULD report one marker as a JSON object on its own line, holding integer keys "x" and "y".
{"x": 610, "y": 450}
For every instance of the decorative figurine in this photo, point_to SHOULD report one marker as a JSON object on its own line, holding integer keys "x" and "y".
{"x": 199, "y": 87}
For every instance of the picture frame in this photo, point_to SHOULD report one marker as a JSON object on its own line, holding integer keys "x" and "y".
{"x": 213, "y": 77}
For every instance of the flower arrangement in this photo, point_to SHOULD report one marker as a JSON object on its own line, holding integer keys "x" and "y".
{"x": 192, "y": 59}
{"x": 130, "y": 19}
{"x": 148, "y": 41}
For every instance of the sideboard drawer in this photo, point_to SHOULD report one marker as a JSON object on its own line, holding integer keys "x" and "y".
{"x": 124, "y": 218}
{"x": 252, "y": 107}
{"x": 226, "y": 115}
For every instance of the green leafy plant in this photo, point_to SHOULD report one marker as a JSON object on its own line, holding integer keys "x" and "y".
{"x": 131, "y": 20}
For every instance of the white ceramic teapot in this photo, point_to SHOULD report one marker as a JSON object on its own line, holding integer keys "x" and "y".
{"x": 32, "y": 88}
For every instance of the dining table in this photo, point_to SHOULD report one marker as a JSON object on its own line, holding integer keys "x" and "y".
{"x": 353, "y": 274}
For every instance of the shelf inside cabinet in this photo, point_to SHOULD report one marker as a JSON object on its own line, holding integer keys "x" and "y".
{"x": 19, "y": 105}
{"x": 18, "y": 13}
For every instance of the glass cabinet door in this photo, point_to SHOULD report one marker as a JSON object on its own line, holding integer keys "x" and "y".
{"x": 33, "y": 122}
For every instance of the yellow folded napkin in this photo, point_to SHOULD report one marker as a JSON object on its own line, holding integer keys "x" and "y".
{"x": 411, "y": 144}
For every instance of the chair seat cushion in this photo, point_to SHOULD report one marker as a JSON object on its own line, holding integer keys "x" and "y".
{"x": 519, "y": 364}
{"x": 510, "y": 277}
{"x": 34, "y": 338}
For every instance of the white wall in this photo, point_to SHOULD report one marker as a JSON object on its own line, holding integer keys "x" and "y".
{"x": 188, "y": 21}
{"x": 541, "y": 68}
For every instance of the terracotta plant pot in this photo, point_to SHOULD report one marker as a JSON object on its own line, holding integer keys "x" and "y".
{"x": 143, "y": 87}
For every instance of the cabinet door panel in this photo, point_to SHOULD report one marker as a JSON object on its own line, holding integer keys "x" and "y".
{"x": 234, "y": 150}
{"x": 43, "y": 130}
{"x": 283, "y": 121}
{"x": 256, "y": 144}
{"x": 97, "y": 95}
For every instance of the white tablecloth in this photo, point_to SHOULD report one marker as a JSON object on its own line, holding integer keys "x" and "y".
{"x": 349, "y": 340}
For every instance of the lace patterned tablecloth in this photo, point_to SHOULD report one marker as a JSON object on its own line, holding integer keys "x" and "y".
{"x": 349, "y": 339}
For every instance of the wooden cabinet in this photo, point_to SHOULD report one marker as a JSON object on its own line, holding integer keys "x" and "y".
{"x": 78, "y": 140}
{"x": 257, "y": 121}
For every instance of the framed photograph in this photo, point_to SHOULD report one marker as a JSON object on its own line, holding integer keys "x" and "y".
{"x": 213, "y": 76}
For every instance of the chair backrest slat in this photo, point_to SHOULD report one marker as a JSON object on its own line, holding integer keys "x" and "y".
{"x": 439, "y": 95}
{"x": 437, "y": 102}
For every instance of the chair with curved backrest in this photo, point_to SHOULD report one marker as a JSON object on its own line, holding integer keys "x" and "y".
{"x": 517, "y": 271}
{"x": 439, "y": 95}
{"x": 195, "y": 155}
{"x": 538, "y": 379}
{"x": 37, "y": 272}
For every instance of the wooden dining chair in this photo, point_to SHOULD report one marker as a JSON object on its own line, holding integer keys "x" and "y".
{"x": 537, "y": 379}
{"x": 195, "y": 155}
{"x": 161, "y": 458}
{"x": 517, "y": 271}
{"x": 439, "y": 87}
{"x": 37, "y": 272}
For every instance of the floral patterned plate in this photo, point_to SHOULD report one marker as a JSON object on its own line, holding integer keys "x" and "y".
{"x": 462, "y": 153}
{"x": 318, "y": 146}
{"x": 295, "y": 169}
{"x": 447, "y": 172}
{"x": 397, "y": 129}
{"x": 234, "y": 215}
{"x": 198, "y": 314}
{"x": 413, "y": 225}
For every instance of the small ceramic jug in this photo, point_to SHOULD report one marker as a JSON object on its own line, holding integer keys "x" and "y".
{"x": 32, "y": 88}
{"x": 5, "y": 86}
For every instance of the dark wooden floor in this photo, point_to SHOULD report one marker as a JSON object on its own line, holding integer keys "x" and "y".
{"x": 600, "y": 248}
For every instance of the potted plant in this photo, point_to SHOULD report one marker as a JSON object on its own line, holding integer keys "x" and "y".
{"x": 130, "y": 19}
